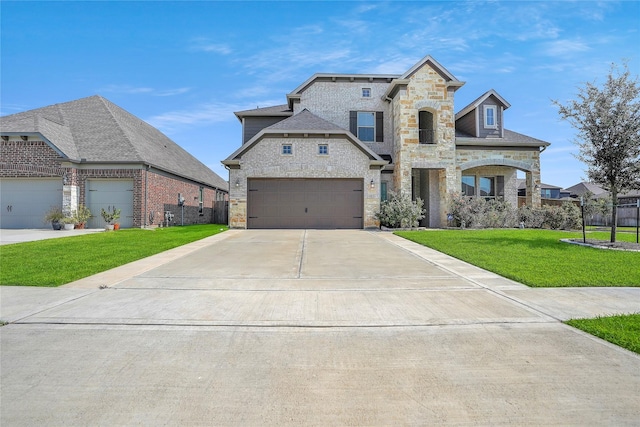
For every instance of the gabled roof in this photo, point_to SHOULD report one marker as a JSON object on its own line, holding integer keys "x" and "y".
{"x": 428, "y": 60}
{"x": 522, "y": 184}
{"x": 509, "y": 139}
{"x": 304, "y": 123}
{"x": 273, "y": 111}
{"x": 582, "y": 187}
{"x": 94, "y": 130}
{"x": 475, "y": 104}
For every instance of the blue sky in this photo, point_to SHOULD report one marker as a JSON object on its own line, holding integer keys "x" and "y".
{"x": 185, "y": 67}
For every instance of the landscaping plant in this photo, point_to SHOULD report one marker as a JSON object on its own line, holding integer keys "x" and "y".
{"x": 400, "y": 212}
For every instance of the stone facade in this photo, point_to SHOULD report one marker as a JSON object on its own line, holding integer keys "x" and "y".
{"x": 427, "y": 168}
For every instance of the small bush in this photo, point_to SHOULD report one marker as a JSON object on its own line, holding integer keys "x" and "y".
{"x": 531, "y": 217}
{"x": 400, "y": 212}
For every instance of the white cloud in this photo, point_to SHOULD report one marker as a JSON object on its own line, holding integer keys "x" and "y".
{"x": 133, "y": 90}
{"x": 125, "y": 89}
{"x": 564, "y": 47}
{"x": 172, "y": 92}
{"x": 202, "y": 44}
{"x": 202, "y": 114}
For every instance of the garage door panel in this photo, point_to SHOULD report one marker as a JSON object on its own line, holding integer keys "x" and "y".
{"x": 25, "y": 201}
{"x": 107, "y": 194}
{"x": 305, "y": 203}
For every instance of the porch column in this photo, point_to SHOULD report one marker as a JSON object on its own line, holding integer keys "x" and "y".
{"x": 533, "y": 189}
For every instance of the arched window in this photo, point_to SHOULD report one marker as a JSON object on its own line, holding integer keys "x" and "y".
{"x": 426, "y": 128}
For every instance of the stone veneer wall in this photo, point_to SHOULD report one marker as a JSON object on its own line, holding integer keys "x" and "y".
{"x": 527, "y": 160}
{"x": 427, "y": 90}
{"x": 264, "y": 160}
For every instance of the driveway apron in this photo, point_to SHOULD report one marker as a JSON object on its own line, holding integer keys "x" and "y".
{"x": 310, "y": 327}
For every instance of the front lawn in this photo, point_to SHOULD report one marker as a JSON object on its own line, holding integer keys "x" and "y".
{"x": 536, "y": 257}
{"x": 622, "y": 330}
{"x": 55, "y": 262}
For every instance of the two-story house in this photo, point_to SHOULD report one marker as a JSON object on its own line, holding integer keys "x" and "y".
{"x": 343, "y": 142}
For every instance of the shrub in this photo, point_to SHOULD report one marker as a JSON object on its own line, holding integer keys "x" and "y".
{"x": 476, "y": 212}
{"x": 400, "y": 212}
{"x": 531, "y": 217}
{"x": 572, "y": 219}
{"x": 553, "y": 217}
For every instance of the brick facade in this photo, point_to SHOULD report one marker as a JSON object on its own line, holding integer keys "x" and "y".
{"x": 36, "y": 159}
{"x": 265, "y": 160}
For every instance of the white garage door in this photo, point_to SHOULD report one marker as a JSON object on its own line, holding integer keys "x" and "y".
{"x": 107, "y": 194}
{"x": 25, "y": 201}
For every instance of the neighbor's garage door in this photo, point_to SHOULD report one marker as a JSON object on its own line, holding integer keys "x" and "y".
{"x": 305, "y": 203}
{"x": 107, "y": 194}
{"x": 25, "y": 202}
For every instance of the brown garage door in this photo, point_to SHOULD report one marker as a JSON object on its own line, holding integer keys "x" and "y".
{"x": 305, "y": 203}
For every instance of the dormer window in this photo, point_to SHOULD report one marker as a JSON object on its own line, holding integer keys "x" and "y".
{"x": 490, "y": 117}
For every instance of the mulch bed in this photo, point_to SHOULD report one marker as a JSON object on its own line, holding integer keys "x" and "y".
{"x": 604, "y": 244}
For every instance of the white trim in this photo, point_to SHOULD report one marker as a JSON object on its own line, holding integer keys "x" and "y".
{"x": 495, "y": 116}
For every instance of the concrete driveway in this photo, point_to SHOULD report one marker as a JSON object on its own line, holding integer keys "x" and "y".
{"x": 310, "y": 328}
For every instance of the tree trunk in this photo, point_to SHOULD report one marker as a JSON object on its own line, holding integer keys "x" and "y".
{"x": 614, "y": 213}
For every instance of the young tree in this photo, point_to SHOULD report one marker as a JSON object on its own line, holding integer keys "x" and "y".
{"x": 608, "y": 123}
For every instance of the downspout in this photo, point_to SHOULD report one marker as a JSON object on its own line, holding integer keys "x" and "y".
{"x": 146, "y": 194}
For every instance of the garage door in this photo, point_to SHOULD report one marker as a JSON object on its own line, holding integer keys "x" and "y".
{"x": 107, "y": 194}
{"x": 305, "y": 203}
{"x": 25, "y": 202}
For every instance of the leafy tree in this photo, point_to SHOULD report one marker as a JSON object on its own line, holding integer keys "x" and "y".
{"x": 608, "y": 123}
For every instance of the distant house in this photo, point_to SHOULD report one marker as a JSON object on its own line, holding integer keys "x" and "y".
{"x": 343, "y": 142}
{"x": 580, "y": 188}
{"x": 546, "y": 191}
{"x": 92, "y": 152}
{"x": 627, "y": 203}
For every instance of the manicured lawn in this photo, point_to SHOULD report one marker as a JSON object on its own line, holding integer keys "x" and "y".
{"x": 55, "y": 262}
{"x": 537, "y": 257}
{"x": 623, "y": 330}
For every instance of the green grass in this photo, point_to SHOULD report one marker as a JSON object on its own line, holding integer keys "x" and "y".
{"x": 55, "y": 262}
{"x": 622, "y": 330}
{"x": 537, "y": 257}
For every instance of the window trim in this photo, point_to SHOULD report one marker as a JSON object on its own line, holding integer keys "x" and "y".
{"x": 373, "y": 114}
{"x": 493, "y": 108}
{"x": 283, "y": 150}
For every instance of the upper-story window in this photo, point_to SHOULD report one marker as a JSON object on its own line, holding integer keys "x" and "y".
{"x": 287, "y": 149}
{"x": 366, "y": 92}
{"x": 426, "y": 129}
{"x": 323, "y": 149}
{"x": 368, "y": 126}
{"x": 490, "y": 116}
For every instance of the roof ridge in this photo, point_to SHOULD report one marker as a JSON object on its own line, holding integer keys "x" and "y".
{"x": 123, "y": 129}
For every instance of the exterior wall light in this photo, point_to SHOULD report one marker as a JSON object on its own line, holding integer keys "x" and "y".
{"x": 372, "y": 184}
{"x": 237, "y": 182}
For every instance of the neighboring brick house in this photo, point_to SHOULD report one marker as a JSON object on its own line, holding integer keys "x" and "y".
{"x": 92, "y": 152}
{"x": 328, "y": 157}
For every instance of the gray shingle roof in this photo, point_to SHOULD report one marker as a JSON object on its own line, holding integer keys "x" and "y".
{"x": 275, "y": 110}
{"x": 510, "y": 138}
{"x": 99, "y": 131}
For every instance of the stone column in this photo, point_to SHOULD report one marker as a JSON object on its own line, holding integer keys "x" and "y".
{"x": 533, "y": 189}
